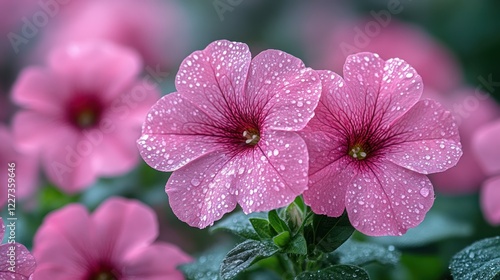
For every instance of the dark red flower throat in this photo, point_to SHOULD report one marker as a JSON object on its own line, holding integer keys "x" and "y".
{"x": 85, "y": 111}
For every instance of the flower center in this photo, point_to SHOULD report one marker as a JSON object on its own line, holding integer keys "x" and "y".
{"x": 357, "y": 152}
{"x": 251, "y": 136}
{"x": 84, "y": 111}
{"x": 104, "y": 275}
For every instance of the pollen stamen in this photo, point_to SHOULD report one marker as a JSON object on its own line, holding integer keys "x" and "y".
{"x": 357, "y": 152}
{"x": 251, "y": 136}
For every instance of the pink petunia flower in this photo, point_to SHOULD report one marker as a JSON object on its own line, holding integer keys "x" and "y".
{"x": 83, "y": 112}
{"x": 24, "y": 171}
{"x": 229, "y": 132}
{"x": 485, "y": 146}
{"x": 16, "y": 262}
{"x": 371, "y": 142}
{"x": 115, "y": 242}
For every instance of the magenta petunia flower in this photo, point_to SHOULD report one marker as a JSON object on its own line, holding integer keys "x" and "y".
{"x": 83, "y": 112}
{"x": 371, "y": 142}
{"x": 115, "y": 242}
{"x": 24, "y": 171}
{"x": 229, "y": 132}
{"x": 485, "y": 145}
{"x": 16, "y": 262}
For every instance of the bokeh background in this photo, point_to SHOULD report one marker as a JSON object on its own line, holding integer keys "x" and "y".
{"x": 454, "y": 45}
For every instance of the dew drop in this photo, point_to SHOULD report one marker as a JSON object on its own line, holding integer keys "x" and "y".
{"x": 409, "y": 75}
{"x": 300, "y": 104}
{"x": 424, "y": 192}
{"x": 195, "y": 182}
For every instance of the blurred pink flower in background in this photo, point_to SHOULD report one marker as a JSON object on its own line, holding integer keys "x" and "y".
{"x": 471, "y": 109}
{"x": 115, "y": 242}
{"x": 371, "y": 143}
{"x": 22, "y": 262}
{"x": 434, "y": 62}
{"x": 26, "y": 168}
{"x": 229, "y": 132}
{"x": 83, "y": 112}
{"x": 486, "y": 145}
{"x": 158, "y": 30}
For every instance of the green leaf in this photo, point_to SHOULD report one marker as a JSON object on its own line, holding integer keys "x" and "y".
{"x": 300, "y": 203}
{"x": 297, "y": 245}
{"x": 244, "y": 255}
{"x": 262, "y": 227}
{"x": 361, "y": 253}
{"x": 480, "y": 260}
{"x": 238, "y": 224}
{"x": 344, "y": 272}
{"x": 329, "y": 233}
{"x": 276, "y": 222}
{"x": 282, "y": 239}
{"x": 206, "y": 267}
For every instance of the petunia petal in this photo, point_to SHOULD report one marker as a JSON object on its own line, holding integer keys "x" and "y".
{"x": 121, "y": 226}
{"x": 114, "y": 152}
{"x": 425, "y": 139}
{"x": 280, "y": 86}
{"x": 215, "y": 77}
{"x": 327, "y": 187}
{"x": 33, "y": 131}
{"x": 41, "y": 90}
{"x": 490, "y": 195}
{"x": 388, "y": 200}
{"x": 485, "y": 145}
{"x": 62, "y": 243}
{"x": 156, "y": 262}
{"x": 25, "y": 263}
{"x": 133, "y": 105}
{"x": 97, "y": 66}
{"x": 202, "y": 191}
{"x": 389, "y": 88}
{"x": 334, "y": 110}
{"x": 175, "y": 132}
{"x": 274, "y": 174}
{"x": 68, "y": 163}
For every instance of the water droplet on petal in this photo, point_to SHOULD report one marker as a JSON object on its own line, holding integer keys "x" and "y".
{"x": 424, "y": 192}
{"x": 195, "y": 182}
